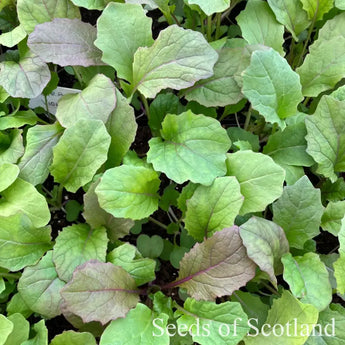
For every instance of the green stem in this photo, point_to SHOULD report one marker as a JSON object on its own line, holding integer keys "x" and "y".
{"x": 168, "y": 17}
{"x": 202, "y": 26}
{"x": 209, "y": 28}
{"x": 10, "y": 275}
{"x": 218, "y": 22}
{"x": 248, "y": 116}
{"x": 59, "y": 196}
{"x": 146, "y": 105}
{"x": 274, "y": 127}
{"x": 157, "y": 222}
{"x": 78, "y": 76}
{"x": 270, "y": 288}
{"x": 175, "y": 18}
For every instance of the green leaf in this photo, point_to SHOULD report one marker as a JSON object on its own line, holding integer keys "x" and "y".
{"x": 18, "y": 305}
{"x": 74, "y": 338}
{"x": 91, "y": 4}
{"x": 127, "y": 256}
{"x": 332, "y": 216}
{"x": 6, "y": 327}
{"x": 210, "y": 7}
{"x": 33, "y": 12}
{"x": 150, "y": 247}
{"x": 119, "y": 38}
{"x": 96, "y": 284}
{"x": 259, "y": 25}
{"x": 41, "y": 337}
{"x": 308, "y": 279}
{"x": 291, "y": 14}
{"x": 122, "y": 127}
{"x": 12, "y": 38}
{"x": 20, "y": 331}
{"x": 129, "y": 191}
{"x": 326, "y": 137}
{"x": 238, "y": 134}
{"x": 25, "y": 79}
{"x": 74, "y": 168}
{"x": 23, "y": 197}
{"x": 95, "y": 102}
{"x": 186, "y": 194}
{"x": 266, "y": 243}
{"x": 323, "y": 67}
{"x": 271, "y": 86}
{"x": 339, "y": 265}
{"x": 11, "y": 146}
{"x": 261, "y": 179}
{"x": 18, "y": 119}
{"x": 224, "y": 87}
{"x": 330, "y": 320}
{"x": 286, "y": 309}
{"x": 226, "y": 323}
{"x": 213, "y": 208}
{"x": 216, "y": 267}
{"x": 317, "y": 8}
{"x": 38, "y": 155}
{"x": 139, "y": 325}
{"x": 40, "y": 287}
{"x": 97, "y": 217}
{"x": 292, "y": 173}
{"x": 298, "y": 211}
{"x": 333, "y": 191}
{"x": 76, "y": 245}
{"x": 289, "y": 146}
{"x": 177, "y": 59}
{"x": 66, "y": 42}
{"x": 8, "y": 174}
{"x": 192, "y": 147}
{"x": 21, "y": 244}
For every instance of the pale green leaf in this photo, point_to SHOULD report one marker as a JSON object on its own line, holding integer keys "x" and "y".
{"x": 97, "y": 217}
{"x": 177, "y": 59}
{"x": 91, "y": 4}
{"x": 72, "y": 46}
{"x": 8, "y": 174}
{"x": 292, "y": 173}
{"x": 141, "y": 325}
{"x": 129, "y": 191}
{"x": 6, "y": 327}
{"x": 340, "y": 4}
{"x": 74, "y": 338}
{"x": 18, "y": 119}
{"x": 20, "y": 332}
{"x": 40, "y": 287}
{"x": 74, "y": 168}
{"x": 192, "y": 147}
{"x": 331, "y": 327}
{"x": 21, "y": 244}
{"x": 271, "y": 86}
{"x": 210, "y": 7}
{"x": 291, "y": 14}
{"x": 298, "y": 211}
{"x": 12, "y": 38}
{"x": 41, "y": 335}
{"x": 316, "y": 9}
{"x": 95, "y": 102}
{"x": 119, "y": 38}
{"x": 38, "y": 155}
{"x": 216, "y": 267}
{"x": 339, "y": 265}
{"x": 22, "y": 196}
{"x": 128, "y": 257}
{"x": 213, "y": 208}
{"x": 261, "y": 179}
{"x": 323, "y": 67}
{"x": 308, "y": 279}
{"x": 26, "y": 78}
{"x": 33, "y": 12}
{"x": 332, "y": 217}
{"x": 122, "y": 127}
{"x": 77, "y": 244}
{"x": 96, "y": 284}
{"x": 289, "y": 146}
{"x": 224, "y": 87}
{"x": 11, "y": 146}
{"x": 18, "y": 305}
{"x": 326, "y": 137}
{"x": 227, "y": 323}
{"x": 259, "y": 25}
{"x": 286, "y": 309}
{"x": 266, "y": 243}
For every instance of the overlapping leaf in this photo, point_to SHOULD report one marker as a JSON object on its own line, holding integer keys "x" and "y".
{"x": 8, "y": 174}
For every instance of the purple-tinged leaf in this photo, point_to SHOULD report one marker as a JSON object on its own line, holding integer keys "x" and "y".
{"x": 216, "y": 267}
{"x": 66, "y": 42}
{"x": 100, "y": 292}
